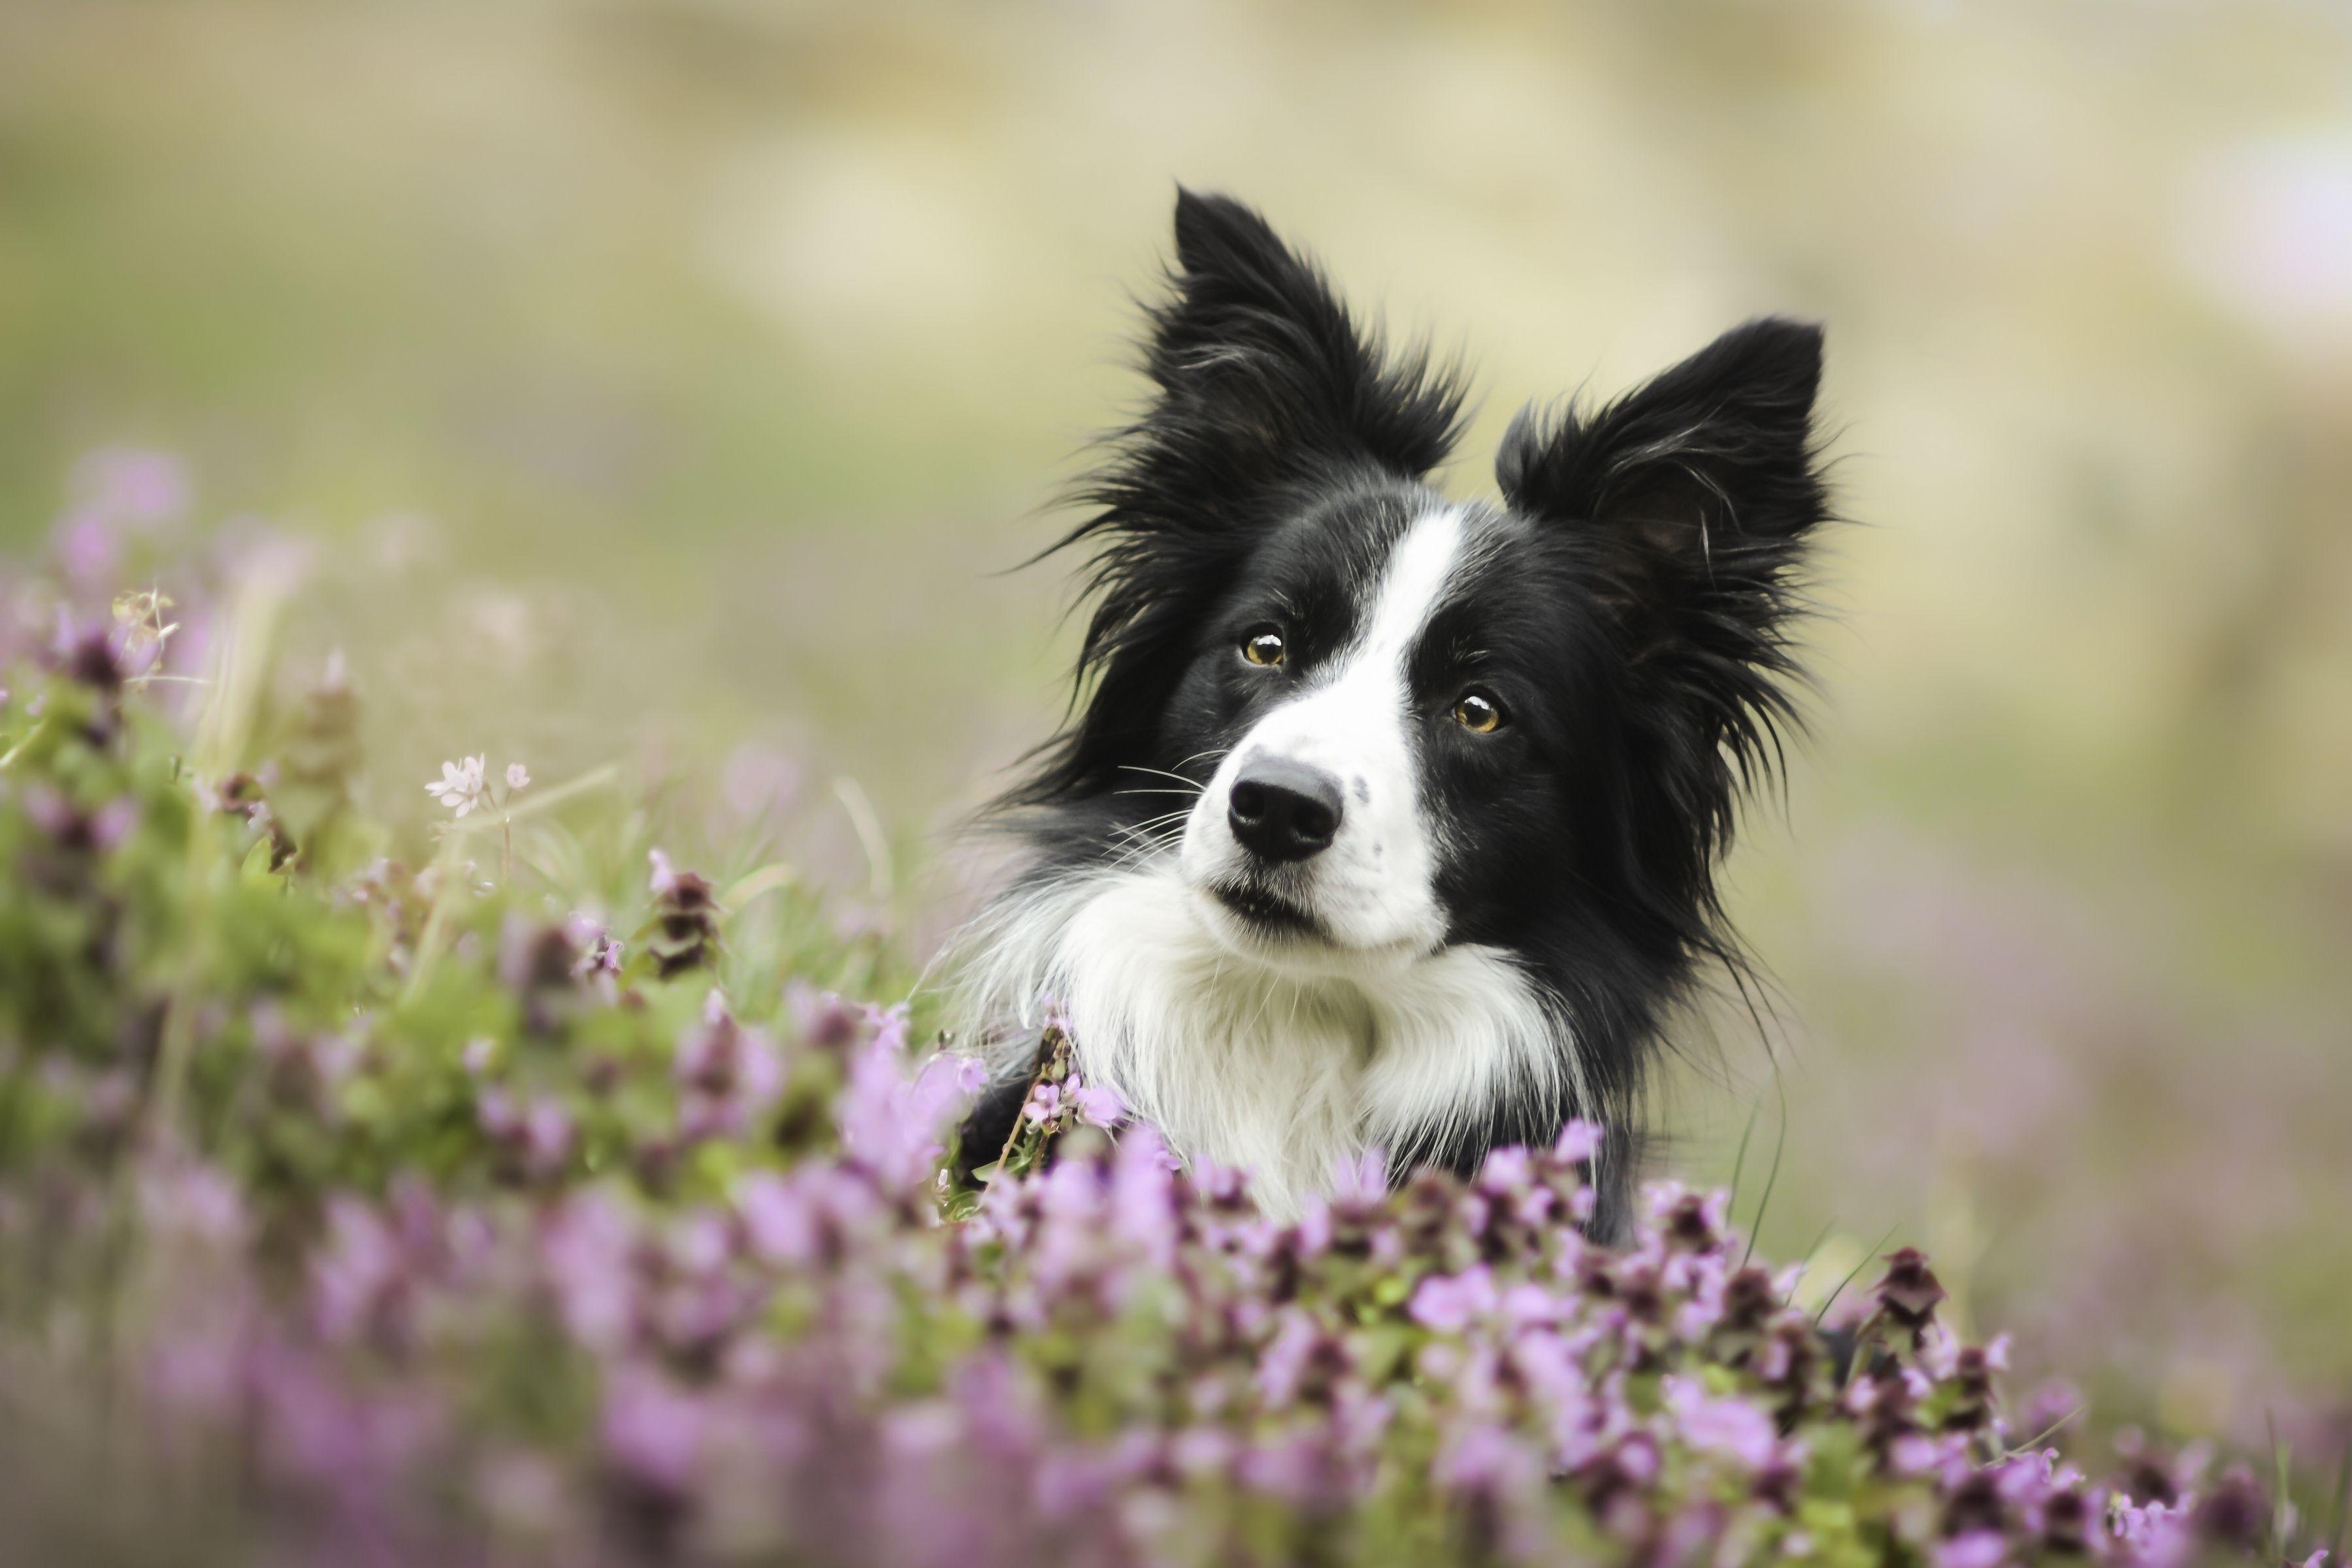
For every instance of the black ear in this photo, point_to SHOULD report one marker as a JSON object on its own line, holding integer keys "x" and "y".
{"x": 1263, "y": 385}
{"x": 1262, "y": 371}
{"x": 1710, "y": 466}
{"x": 1689, "y": 499}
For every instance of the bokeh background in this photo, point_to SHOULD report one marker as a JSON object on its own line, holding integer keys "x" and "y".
{"x": 676, "y": 382}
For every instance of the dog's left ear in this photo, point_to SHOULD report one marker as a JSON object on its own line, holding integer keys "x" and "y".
{"x": 1689, "y": 500}
{"x": 1694, "y": 492}
{"x": 1702, "y": 481}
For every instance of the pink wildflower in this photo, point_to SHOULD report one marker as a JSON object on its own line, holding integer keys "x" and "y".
{"x": 460, "y": 787}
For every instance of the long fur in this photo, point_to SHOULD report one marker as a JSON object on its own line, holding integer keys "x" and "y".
{"x": 1503, "y": 924}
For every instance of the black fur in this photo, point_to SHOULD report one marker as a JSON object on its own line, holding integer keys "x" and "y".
{"x": 1631, "y": 615}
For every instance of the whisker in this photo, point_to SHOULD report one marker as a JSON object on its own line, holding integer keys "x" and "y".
{"x": 1163, "y": 772}
{"x": 1179, "y": 814}
{"x": 1145, "y": 829}
{"x": 1165, "y": 819}
{"x": 1139, "y": 848}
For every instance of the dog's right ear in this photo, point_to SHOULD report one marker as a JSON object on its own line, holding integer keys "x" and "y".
{"x": 1263, "y": 382}
{"x": 1263, "y": 375}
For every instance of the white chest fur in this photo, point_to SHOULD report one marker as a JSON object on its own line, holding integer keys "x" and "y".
{"x": 1283, "y": 1075}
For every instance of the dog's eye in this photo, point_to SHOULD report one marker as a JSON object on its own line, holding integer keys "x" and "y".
{"x": 1477, "y": 712}
{"x": 1263, "y": 645}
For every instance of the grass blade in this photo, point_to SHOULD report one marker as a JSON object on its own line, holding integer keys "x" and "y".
{"x": 2336, "y": 1512}
{"x": 771, "y": 877}
{"x": 1773, "y": 1177}
{"x": 1887, "y": 1236}
{"x": 2047, "y": 1432}
{"x": 1740, "y": 1161}
{"x": 539, "y": 803}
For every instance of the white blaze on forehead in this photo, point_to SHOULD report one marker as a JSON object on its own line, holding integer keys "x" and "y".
{"x": 1416, "y": 574}
{"x": 1374, "y": 888}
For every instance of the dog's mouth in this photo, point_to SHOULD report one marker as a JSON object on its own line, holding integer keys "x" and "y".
{"x": 1267, "y": 915}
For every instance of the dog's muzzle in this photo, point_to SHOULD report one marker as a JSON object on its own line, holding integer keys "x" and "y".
{"x": 1282, "y": 811}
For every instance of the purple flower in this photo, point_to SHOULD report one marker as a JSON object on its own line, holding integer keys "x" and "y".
{"x": 88, "y": 547}
{"x": 1143, "y": 1196}
{"x": 600, "y": 952}
{"x": 352, "y": 1275}
{"x": 183, "y": 1200}
{"x": 1499, "y": 1480}
{"x": 1731, "y": 1427}
{"x": 1043, "y": 1102}
{"x": 703, "y": 1328}
{"x": 1294, "y": 1468}
{"x": 1282, "y": 1366}
{"x": 727, "y": 1074}
{"x": 1202, "y": 1452}
{"x": 1910, "y": 1291}
{"x": 546, "y": 1139}
{"x": 1579, "y": 1142}
{"x": 778, "y": 1216}
{"x": 1485, "y": 1456}
{"x": 1920, "y": 1454}
{"x": 132, "y": 485}
{"x": 318, "y": 1426}
{"x": 1527, "y": 1304}
{"x": 798, "y": 1218}
{"x": 1449, "y": 1303}
{"x": 820, "y": 1018}
{"x": 895, "y": 1124}
{"x": 1098, "y": 1105}
{"x": 584, "y": 1256}
{"x": 2155, "y": 1532}
{"x": 112, "y": 487}
{"x": 1507, "y": 1170}
{"x": 1361, "y": 1182}
{"x": 654, "y": 1431}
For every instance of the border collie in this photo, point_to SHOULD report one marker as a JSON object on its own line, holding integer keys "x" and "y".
{"x": 1384, "y": 818}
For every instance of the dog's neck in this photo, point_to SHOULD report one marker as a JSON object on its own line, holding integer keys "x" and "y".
{"x": 1283, "y": 1075}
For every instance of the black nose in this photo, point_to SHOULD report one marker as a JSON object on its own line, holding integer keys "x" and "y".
{"x": 1282, "y": 810}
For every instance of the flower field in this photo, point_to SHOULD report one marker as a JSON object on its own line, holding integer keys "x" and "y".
{"x": 526, "y": 438}
{"x": 517, "y": 1195}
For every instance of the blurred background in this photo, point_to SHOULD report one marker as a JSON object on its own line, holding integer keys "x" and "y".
{"x": 676, "y": 382}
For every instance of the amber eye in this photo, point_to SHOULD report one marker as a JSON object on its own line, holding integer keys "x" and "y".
{"x": 1478, "y": 713}
{"x": 1263, "y": 646}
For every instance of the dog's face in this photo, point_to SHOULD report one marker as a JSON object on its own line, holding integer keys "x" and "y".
{"x": 1377, "y": 699}
{"x": 1389, "y": 721}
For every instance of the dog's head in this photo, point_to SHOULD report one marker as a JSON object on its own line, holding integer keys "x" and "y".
{"x": 1368, "y": 722}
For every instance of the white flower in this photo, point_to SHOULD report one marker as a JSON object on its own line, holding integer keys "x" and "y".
{"x": 460, "y": 786}
{"x": 518, "y": 776}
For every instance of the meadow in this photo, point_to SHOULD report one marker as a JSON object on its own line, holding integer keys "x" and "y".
{"x": 663, "y": 394}
{"x": 540, "y": 1200}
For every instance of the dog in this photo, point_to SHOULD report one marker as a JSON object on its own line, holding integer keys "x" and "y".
{"x": 1384, "y": 820}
